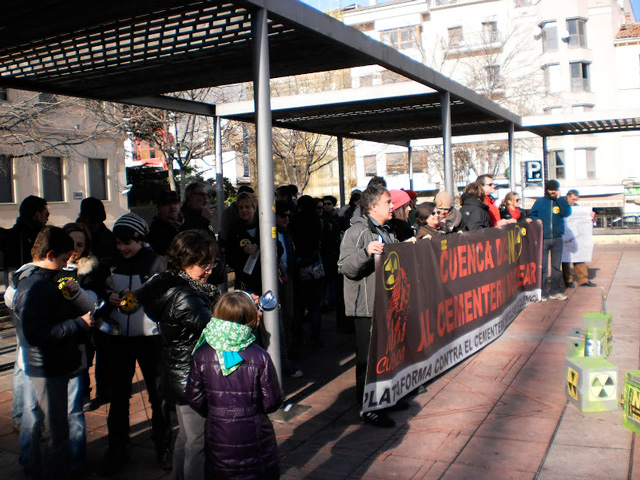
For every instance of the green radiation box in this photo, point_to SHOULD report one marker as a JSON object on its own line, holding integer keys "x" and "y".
{"x": 591, "y": 383}
{"x": 575, "y": 342}
{"x": 601, "y": 322}
{"x": 631, "y": 401}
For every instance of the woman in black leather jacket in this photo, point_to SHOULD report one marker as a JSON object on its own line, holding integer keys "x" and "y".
{"x": 182, "y": 302}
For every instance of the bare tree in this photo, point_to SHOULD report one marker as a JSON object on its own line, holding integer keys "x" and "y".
{"x": 179, "y": 136}
{"x": 35, "y": 124}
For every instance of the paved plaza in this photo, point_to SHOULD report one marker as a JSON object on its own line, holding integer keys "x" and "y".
{"x": 501, "y": 414}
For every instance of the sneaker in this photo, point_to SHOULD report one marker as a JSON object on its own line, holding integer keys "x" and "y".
{"x": 588, "y": 283}
{"x": 377, "y": 419}
{"x": 571, "y": 285}
{"x": 543, "y": 298}
{"x": 558, "y": 296}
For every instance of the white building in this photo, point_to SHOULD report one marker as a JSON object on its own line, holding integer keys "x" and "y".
{"x": 535, "y": 57}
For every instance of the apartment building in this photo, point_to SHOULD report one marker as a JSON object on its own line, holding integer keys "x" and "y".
{"x": 546, "y": 58}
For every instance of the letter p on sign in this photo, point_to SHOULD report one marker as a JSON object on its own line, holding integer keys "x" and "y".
{"x": 534, "y": 171}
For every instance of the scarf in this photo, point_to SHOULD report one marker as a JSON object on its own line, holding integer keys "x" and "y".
{"x": 515, "y": 212}
{"x": 210, "y": 291}
{"x": 227, "y": 338}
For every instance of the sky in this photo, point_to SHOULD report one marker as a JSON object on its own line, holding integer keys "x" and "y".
{"x": 636, "y": 8}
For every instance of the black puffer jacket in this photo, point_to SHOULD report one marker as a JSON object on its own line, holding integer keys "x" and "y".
{"x": 181, "y": 312}
{"x": 475, "y": 214}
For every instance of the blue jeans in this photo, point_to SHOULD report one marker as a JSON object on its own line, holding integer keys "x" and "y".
{"x": 77, "y": 424}
{"x": 552, "y": 247}
{"x": 17, "y": 386}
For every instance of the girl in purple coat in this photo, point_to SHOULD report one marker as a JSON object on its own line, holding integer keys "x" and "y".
{"x": 234, "y": 384}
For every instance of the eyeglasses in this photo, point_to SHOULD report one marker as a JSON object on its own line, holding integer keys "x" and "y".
{"x": 518, "y": 200}
{"x": 435, "y": 214}
{"x": 329, "y": 204}
{"x": 443, "y": 211}
{"x": 489, "y": 184}
{"x": 209, "y": 266}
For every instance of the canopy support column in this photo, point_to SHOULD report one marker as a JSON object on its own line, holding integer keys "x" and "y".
{"x": 410, "y": 155}
{"x": 341, "y": 171}
{"x": 512, "y": 159}
{"x": 264, "y": 149}
{"x": 545, "y": 160}
{"x": 219, "y": 182}
{"x": 446, "y": 144}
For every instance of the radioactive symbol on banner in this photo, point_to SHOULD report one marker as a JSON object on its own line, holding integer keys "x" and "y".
{"x": 391, "y": 267}
{"x": 572, "y": 382}
{"x": 603, "y": 387}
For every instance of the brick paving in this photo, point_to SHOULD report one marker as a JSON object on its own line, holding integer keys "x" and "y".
{"x": 501, "y": 414}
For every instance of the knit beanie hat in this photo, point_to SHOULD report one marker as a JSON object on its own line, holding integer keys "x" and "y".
{"x": 131, "y": 225}
{"x": 399, "y": 198}
{"x": 552, "y": 185}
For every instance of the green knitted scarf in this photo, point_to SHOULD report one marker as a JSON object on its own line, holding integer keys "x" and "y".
{"x": 227, "y": 338}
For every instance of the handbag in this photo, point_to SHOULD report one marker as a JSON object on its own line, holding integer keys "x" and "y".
{"x": 315, "y": 271}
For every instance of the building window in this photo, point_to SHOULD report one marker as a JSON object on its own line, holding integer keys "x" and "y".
{"x": 585, "y": 161}
{"x": 388, "y": 77}
{"x": 3, "y": 94}
{"x": 397, "y": 163}
{"x": 370, "y": 169}
{"x": 552, "y": 78}
{"x": 492, "y": 77}
{"x": 556, "y": 164}
{"x": 455, "y": 36}
{"x": 402, "y": 38}
{"x": 582, "y": 108}
{"x": 580, "y": 77}
{"x": 52, "y": 187}
{"x": 49, "y": 98}
{"x": 549, "y": 36}
{"x": 6, "y": 183}
{"x": 577, "y": 28}
{"x": 555, "y": 110}
{"x": 97, "y": 173}
{"x": 419, "y": 159}
{"x": 490, "y": 32}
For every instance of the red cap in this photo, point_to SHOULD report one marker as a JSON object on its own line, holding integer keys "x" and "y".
{"x": 412, "y": 195}
{"x": 399, "y": 198}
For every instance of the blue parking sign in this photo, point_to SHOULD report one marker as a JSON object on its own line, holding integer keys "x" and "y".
{"x": 533, "y": 171}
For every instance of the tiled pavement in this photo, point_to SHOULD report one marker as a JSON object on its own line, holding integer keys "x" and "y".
{"x": 501, "y": 414}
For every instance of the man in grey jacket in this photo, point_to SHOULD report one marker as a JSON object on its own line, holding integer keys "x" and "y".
{"x": 362, "y": 241}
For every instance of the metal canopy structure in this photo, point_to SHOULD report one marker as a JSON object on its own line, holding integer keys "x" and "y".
{"x": 129, "y": 49}
{"x": 393, "y": 114}
{"x": 582, "y": 123}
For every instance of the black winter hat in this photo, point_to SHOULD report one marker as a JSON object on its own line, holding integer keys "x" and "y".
{"x": 92, "y": 210}
{"x": 552, "y": 185}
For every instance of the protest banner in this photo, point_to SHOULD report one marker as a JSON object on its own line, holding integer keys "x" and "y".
{"x": 439, "y": 301}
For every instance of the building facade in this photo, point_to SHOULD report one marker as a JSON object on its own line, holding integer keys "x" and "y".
{"x": 52, "y": 148}
{"x": 536, "y": 58}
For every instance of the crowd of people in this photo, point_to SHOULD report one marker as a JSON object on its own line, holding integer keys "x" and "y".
{"x": 149, "y": 295}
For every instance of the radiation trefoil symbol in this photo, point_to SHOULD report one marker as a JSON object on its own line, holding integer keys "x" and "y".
{"x": 603, "y": 387}
{"x": 572, "y": 383}
{"x": 391, "y": 267}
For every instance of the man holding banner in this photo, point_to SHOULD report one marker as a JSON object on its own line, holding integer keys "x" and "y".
{"x": 362, "y": 242}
